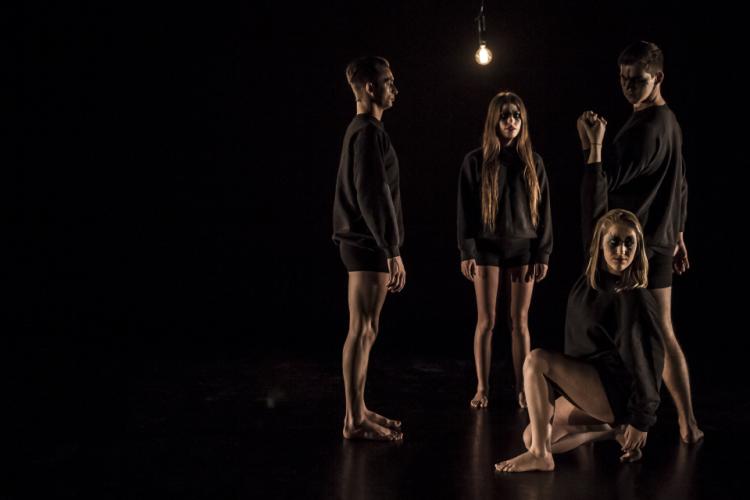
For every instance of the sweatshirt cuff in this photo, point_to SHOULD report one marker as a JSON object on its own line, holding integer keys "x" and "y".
{"x": 540, "y": 258}
{"x": 642, "y": 422}
{"x": 468, "y": 249}
{"x": 391, "y": 252}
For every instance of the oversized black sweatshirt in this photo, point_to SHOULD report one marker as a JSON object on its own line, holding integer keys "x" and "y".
{"x": 618, "y": 332}
{"x": 645, "y": 173}
{"x": 367, "y": 205}
{"x": 513, "y": 220}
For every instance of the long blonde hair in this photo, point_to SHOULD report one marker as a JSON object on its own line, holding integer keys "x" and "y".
{"x": 491, "y": 147}
{"x": 636, "y": 274}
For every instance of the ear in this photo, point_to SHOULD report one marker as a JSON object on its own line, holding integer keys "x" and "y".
{"x": 659, "y": 77}
{"x": 370, "y": 89}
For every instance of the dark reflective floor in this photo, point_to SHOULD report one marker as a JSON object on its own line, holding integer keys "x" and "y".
{"x": 272, "y": 429}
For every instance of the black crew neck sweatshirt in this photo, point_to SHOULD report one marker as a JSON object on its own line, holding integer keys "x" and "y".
{"x": 367, "y": 205}
{"x": 645, "y": 173}
{"x": 618, "y": 332}
{"x": 513, "y": 220}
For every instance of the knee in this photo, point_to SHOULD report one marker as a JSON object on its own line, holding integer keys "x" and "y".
{"x": 537, "y": 361}
{"x": 519, "y": 322}
{"x": 485, "y": 325}
{"x": 667, "y": 329}
{"x": 365, "y": 331}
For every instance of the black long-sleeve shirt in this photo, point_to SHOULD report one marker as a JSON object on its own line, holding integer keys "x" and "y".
{"x": 367, "y": 206}
{"x": 645, "y": 172}
{"x": 513, "y": 219}
{"x": 605, "y": 325}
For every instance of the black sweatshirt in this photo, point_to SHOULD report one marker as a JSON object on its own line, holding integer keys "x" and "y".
{"x": 367, "y": 206}
{"x": 646, "y": 174}
{"x": 513, "y": 220}
{"x": 618, "y": 332}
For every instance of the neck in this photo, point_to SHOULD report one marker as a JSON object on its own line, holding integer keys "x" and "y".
{"x": 368, "y": 108}
{"x": 655, "y": 99}
{"x": 613, "y": 272}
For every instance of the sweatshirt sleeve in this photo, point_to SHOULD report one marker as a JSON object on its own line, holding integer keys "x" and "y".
{"x": 643, "y": 354}
{"x": 373, "y": 194}
{"x": 469, "y": 217}
{"x": 541, "y": 247}
{"x": 683, "y": 200}
{"x": 594, "y": 201}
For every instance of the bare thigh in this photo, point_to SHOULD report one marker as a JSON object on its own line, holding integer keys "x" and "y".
{"x": 366, "y": 296}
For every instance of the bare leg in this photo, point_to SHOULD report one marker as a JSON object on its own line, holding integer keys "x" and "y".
{"x": 520, "y": 300}
{"x": 582, "y": 384}
{"x": 367, "y": 346}
{"x": 571, "y": 428}
{"x": 485, "y": 288}
{"x": 366, "y": 296}
{"x": 676, "y": 375}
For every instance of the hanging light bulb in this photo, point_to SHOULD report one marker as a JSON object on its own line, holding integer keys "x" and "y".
{"x": 483, "y": 55}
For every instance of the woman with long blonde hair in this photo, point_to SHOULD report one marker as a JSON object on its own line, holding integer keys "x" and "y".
{"x": 608, "y": 380}
{"x": 504, "y": 223}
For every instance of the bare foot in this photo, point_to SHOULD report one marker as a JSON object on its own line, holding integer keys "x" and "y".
{"x": 381, "y": 420}
{"x": 690, "y": 433}
{"x": 369, "y": 430}
{"x": 526, "y": 462}
{"x": 631, "y": 456}
{"x": 480, "y": 400}
{"x": 628, "y": 456}
{"x": 522, "y": 399}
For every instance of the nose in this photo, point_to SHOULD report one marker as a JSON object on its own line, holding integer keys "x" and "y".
{"x": 621, "y": 250}
{"x": 395, "y": 90}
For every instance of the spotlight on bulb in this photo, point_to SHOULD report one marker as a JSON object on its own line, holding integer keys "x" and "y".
{"x": 483, "y": 55}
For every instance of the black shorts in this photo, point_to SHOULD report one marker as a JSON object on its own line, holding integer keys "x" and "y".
{"x": 363, "y": 259}
{"x": 659, "y": 271}
{"x": 503, "y": 253}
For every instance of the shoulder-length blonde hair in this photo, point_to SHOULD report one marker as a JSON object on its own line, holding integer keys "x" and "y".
{"x": 491, "y": 147}
{"x": 636, "y": 275}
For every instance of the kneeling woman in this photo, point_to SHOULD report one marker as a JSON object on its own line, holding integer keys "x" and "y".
{"x": 610, "y": 374}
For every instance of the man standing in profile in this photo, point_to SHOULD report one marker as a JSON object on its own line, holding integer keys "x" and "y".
{"x": 369, "y": 230}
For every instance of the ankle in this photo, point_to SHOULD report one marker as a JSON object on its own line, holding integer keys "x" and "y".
{"x": 540, "y": 452}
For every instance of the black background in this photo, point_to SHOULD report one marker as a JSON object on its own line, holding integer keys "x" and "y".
{"x": 178, "y": 164}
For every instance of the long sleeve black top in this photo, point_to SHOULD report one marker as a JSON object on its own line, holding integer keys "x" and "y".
{"x": 367, "y": 205}
{"x": 602, "y": 325}
{"x": 645, "y": 172}
{"x": 513, "y": 220}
